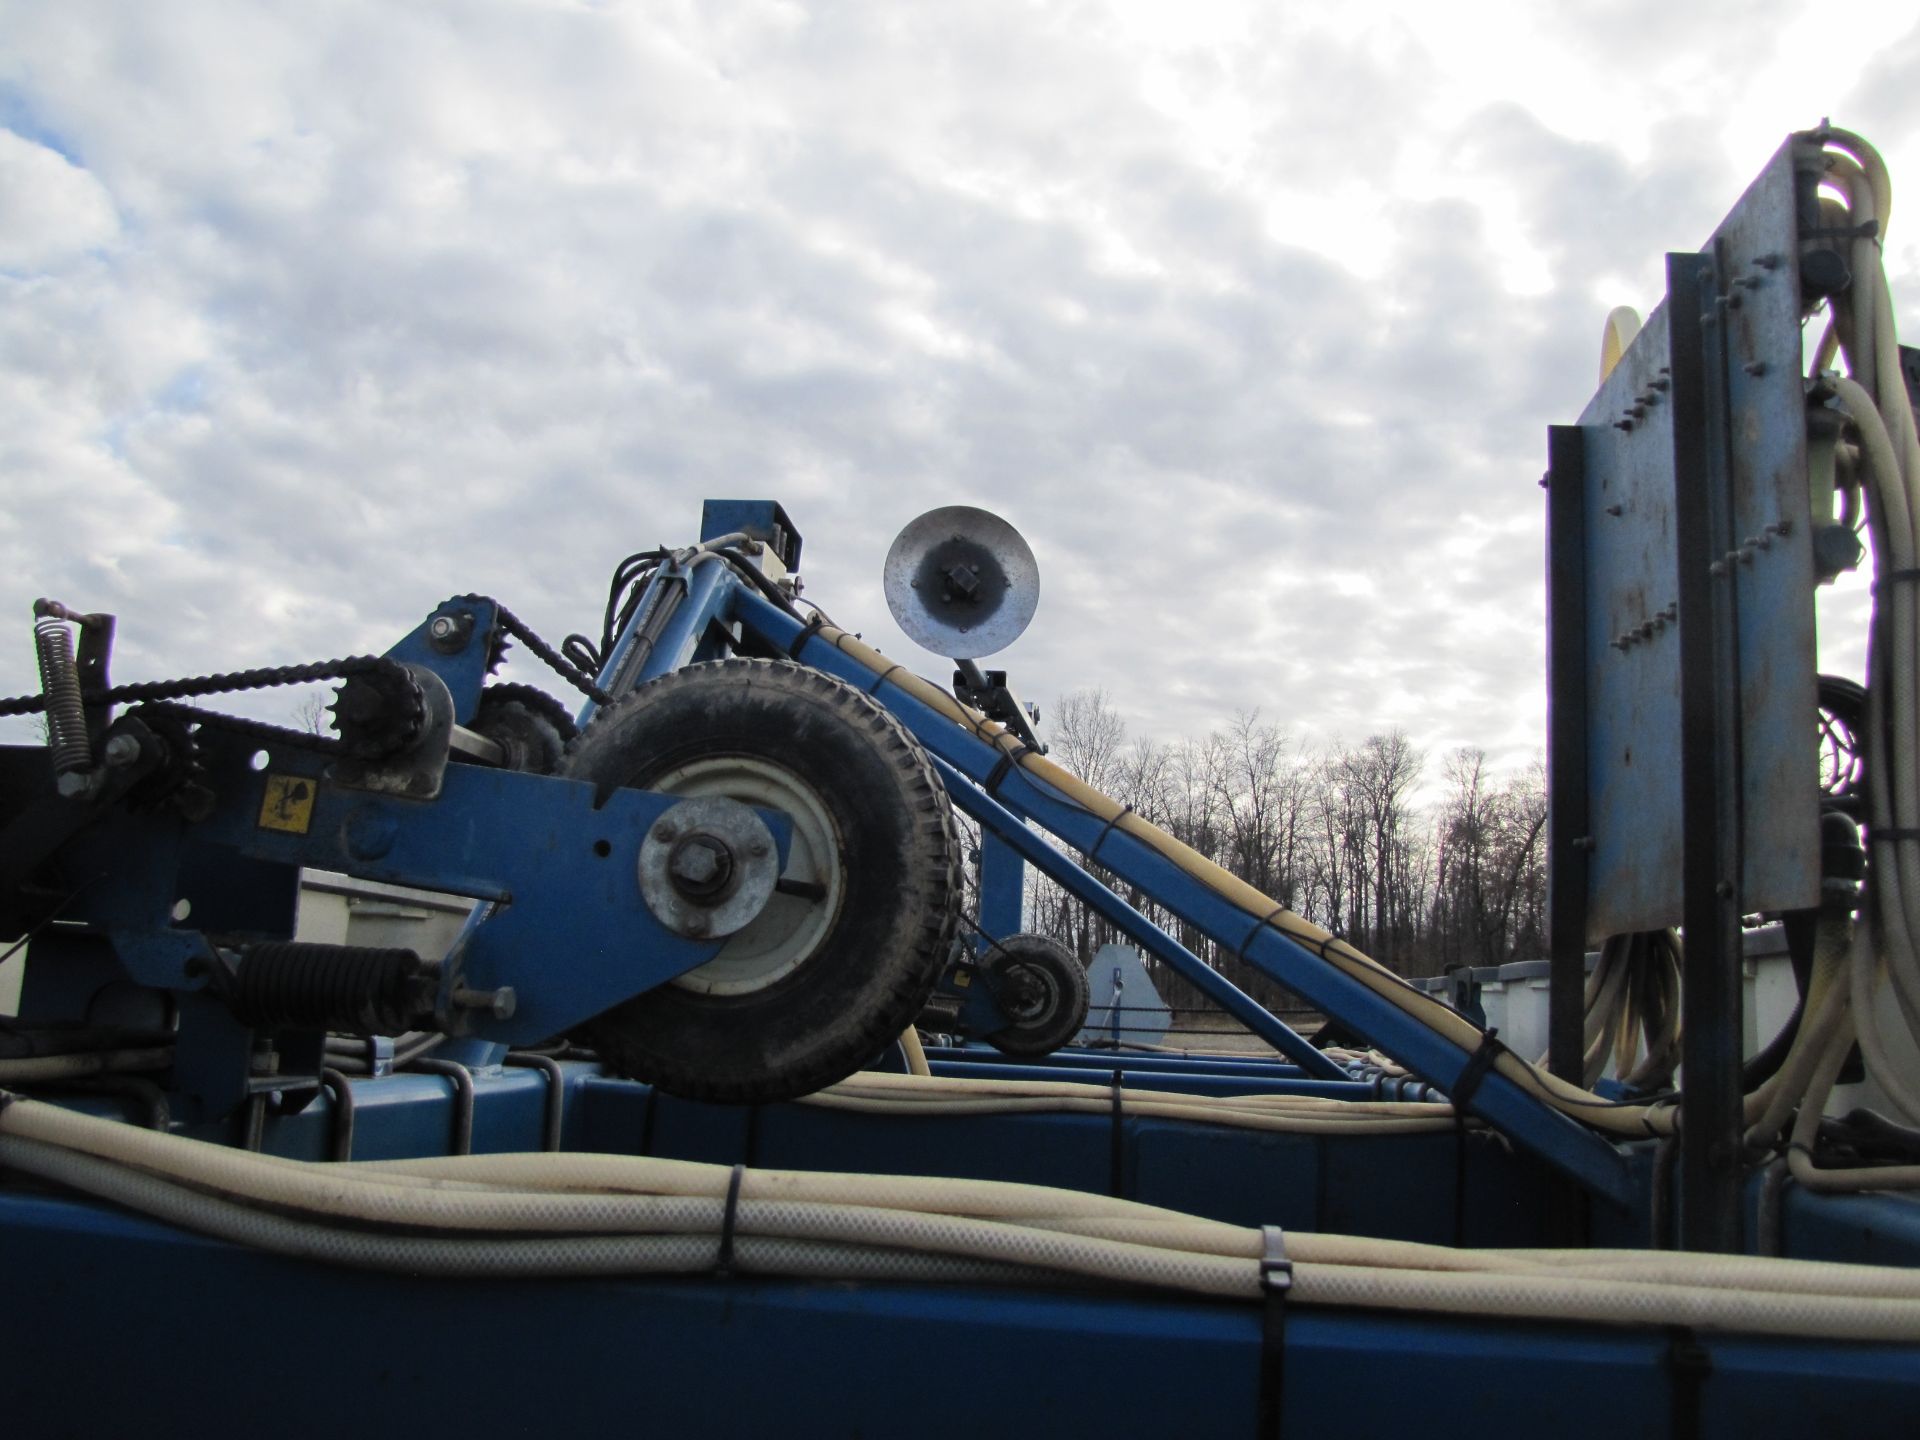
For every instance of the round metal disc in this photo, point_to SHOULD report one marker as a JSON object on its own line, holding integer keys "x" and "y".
{"x": 961, "y": 582}
{"x": 721, "y": 825}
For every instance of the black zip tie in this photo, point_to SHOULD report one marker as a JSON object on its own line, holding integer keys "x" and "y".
{"x": 1276, "y": 1280}
{"x": 1688, "y": 1366}
{"x": 1107, "y": 829}
{"x": 884, "y": 676}
{"x": 1117, "y": 1171}
{"x": 1478, "y": 1064}
{"x": 729, "y": 1217}
{"x": 1008, "y": 759}
{"x": 1893, "y": 577}
{"x": 1265, "y": 920}
{"x": 807, "y": 632}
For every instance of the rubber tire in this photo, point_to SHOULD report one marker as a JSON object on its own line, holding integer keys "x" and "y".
{"x": 899, "y": 853}
{"x": 1064, "y": 1010}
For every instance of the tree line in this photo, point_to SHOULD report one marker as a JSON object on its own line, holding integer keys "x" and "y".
{"x": 1332, "y": 833}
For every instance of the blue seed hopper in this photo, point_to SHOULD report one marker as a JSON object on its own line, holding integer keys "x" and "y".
{"x": 690, "y": 1129}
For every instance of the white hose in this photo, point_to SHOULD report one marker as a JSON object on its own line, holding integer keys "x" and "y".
{"x": 32, "y": 1069}
{"x": 561, "y": 1214}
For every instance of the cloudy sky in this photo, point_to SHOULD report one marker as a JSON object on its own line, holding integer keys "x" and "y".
{"x": 1250, "y": 316}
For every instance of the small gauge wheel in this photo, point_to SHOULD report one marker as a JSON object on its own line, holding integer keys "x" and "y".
{"x": 1042, "y": 990}
{"x": 845, "y": 953}
{"x": 1843, "y": 751}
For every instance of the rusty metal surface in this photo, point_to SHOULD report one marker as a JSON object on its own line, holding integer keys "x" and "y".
{"x": 1632, "y": 645}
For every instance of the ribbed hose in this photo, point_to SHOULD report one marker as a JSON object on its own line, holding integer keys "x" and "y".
{"x": 60, "y": 683}
{"x": 559, "y": 1214}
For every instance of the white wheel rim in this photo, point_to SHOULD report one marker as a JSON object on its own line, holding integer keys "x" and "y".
{"x": 784, "y": 935}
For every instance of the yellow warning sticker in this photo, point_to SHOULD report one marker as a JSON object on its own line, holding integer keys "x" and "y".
{"x": 288, "y": 804}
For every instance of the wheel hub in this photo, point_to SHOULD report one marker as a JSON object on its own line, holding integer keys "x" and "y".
{"x": 708, "y": 867}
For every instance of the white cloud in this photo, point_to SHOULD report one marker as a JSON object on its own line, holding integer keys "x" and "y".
{"x": 51, "y": 211}
{"x": 1252, "y": 324}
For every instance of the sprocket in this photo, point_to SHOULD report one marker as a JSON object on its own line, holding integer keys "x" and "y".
{"x": 531, "y": 726}
{"x": 378, "y": 712}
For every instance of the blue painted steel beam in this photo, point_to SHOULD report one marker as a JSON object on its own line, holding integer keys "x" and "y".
{"x": 1515, "y": 1112}
{"x": 1136, "y": 927}
{"x": 852, "y": 1358}
{"x": 1002, "y": 887}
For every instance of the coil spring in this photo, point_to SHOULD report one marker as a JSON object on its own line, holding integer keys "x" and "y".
{"x": 353, "y": 988}
{"x": 60, "y": 683}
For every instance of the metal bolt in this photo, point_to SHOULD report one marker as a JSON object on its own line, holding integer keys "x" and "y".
{"x": 1746, "y": 554}
{"x": 499, "y": 1003}
{"x": 1755, "y": 368}
{"x": 1766, "y": 262}
{"x": 122, "y": 750}
{"x": 757, "y": 849}
{"x": 1782, "y": 528}
{"x": 1718, "y": 567}
{"x": 1750, "y": 282}
{"x": 698, "y": 862}
{"x": 449, "y": 634}
{"x": 1646, "y": 630}
{"x": 695, "y": 924}
{"x": 1623, "y": 424}
{"x": 1660, "y": 384}
{"x": 665, "y": 830}
{"x": 1615, "y": 510}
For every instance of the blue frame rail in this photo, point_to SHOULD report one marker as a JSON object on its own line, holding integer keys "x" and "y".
{"x": 967, "y": 763}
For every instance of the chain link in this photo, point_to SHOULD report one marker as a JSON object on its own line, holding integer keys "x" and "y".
{"x": 264, "y": 678}
{"x": 158, "y": 693}
{"x": 558, "y": 663}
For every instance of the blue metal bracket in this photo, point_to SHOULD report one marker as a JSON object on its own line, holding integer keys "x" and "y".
{"x": 1524, "y": 1118}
